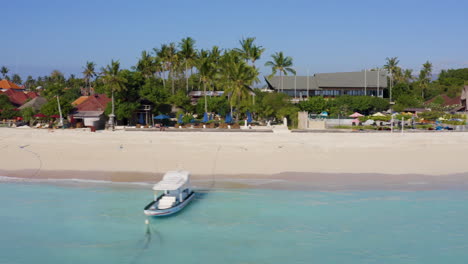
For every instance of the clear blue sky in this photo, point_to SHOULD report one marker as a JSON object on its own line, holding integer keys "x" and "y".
{"x": 326, "y": 36}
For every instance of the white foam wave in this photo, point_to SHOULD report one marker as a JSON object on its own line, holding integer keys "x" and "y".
{"x": 72, "y": 180}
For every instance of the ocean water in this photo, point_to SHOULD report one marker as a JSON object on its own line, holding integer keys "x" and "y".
{"x": 42, "y": 223}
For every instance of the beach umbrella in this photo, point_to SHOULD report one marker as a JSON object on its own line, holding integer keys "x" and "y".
{"x": 40, "y": 115}
{"x": 205, "y": 118}
{"x": 55, "y": 116}
{"x": 249, "y": 117}
{"x": 161, "y": 117}
{"x": 324, "y": 114}
{"x": 355, "y": 115}
{"x": 179, "y": 121}
{"x": 378, "y": 114}
{"x": 228, "y": 119}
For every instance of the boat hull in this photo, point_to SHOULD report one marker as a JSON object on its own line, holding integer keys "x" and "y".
{"x": 168, "y": 211}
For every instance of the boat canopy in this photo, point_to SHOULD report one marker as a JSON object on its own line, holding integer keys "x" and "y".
{"x": 173, "y": 180}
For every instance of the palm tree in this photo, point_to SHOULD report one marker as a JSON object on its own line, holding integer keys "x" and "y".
{"x": 114, "y": 82}
{"x": 425, "y": 76}
{"x": 238, "y": 77}
{"x": 256, "y": 54}
{"x": 249, "y": 51}
{"x": 408, "y": 75}
{"x": 162, "y": 61}
{"x": 146, "y": 64}
{"x": 16, "y": 79}
{"x": 280, "y": 64}
{"x": 89, "y": 73}
{"x": 246, "y": 48}
{"x": 172, "y": 59}
{"x": 206, "y": 70}
{"x": 4, "y": 70}
{"x": 188, "y": 54}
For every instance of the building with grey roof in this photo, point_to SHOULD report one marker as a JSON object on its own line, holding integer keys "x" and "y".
{"x": 370, "y": 83}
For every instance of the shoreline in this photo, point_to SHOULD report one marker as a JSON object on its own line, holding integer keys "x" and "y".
{"x": 308, "y": 161}
{"x": 294, "y": 181}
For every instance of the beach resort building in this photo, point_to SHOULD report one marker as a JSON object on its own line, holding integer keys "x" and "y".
{"x": 89, "y": 110}
{"x": 371, "y": 83}
{"x": 455, "y": 104}
{"x": 8, "y": 85}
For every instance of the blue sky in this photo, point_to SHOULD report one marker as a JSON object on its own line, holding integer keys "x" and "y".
{"x": 325, "y": 36}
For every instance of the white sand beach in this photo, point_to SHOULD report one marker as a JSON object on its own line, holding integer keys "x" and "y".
{"x": 132, "y": 156}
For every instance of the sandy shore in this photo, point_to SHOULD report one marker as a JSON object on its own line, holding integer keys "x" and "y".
{"x": 238, "y": 159}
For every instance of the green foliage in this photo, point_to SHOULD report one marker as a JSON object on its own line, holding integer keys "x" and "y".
{"x": 431, "y": 115}
{"x": 9, "y": 113}
{"x": 27, "y": 114}
{"x": 314, "y": 105}
{"x": 5, "y": 102}
{"x": 51, "y": 107}
{"x": 271, "y": 103}
{"x": 154, "y": 91}
{"x": 345, "y": 105}
{"x": 180, "y": 99}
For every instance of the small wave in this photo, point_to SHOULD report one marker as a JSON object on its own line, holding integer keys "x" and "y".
{"x": 72, "y": 180}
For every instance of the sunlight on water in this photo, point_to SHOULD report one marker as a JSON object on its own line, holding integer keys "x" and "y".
{"x": 50, "y": 224}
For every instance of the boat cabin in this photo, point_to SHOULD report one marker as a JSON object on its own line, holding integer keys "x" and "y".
{"x": 175, "y": 186}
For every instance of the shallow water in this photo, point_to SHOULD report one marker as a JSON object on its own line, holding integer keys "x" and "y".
{"x": 71, "y": 224}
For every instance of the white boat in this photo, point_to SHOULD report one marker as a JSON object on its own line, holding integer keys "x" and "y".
{"x": 177, "y": 193}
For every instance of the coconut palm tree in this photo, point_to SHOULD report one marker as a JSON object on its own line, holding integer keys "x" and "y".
{"x": 206, "y": 70}
{"x": 425, "y": 76}
{"x": 281, "y": 64}
{"x": 88, "y": 74}
{"x": 146, "y": 65}
{"x": 408, "y": 75}
{"x": 256, "y": 54}
{"x": 162, "y": 61}
{"x": 4, "y": 70}
{"x": 172, "y": 60}
{"x": 188, "y": 54}
{"x": 239, "y": 76}
{"x": 16, "y": 79}
{"x": 113, "y": 82}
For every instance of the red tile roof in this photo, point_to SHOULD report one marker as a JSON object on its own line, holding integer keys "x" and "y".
{"x": 96, "y": 102}
{"x": 447, "y": 100}
{"x": 5, "y": 84}
{"x": 32, "y": 95}
{"x": 16, "y": 97}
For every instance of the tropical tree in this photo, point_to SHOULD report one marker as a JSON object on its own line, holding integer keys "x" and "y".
{"x": 16, "y": 79}
{"x": 161, "y": 61}
{"x": 113, "y": 82}
{"x": 206, "y": 71}
{"x": 4, "y": 70}
{"x": 89, "y": 73}
{"x": 172, "y": 60}
{"x": 391, "y": 65}
{"x": 188, "y": 54}
{"x": 240, "y": 76}
{"x": 249, "y": 51}
{"x": 280, "y": 64}
{"x": 425, "y": 76}
{"x": 408, "y": 75}
{"x": 146, "y": 64}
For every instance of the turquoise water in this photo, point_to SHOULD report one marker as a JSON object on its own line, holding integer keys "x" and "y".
{"x": 58, "y": 224}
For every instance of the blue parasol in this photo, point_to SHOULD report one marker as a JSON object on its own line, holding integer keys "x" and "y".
{"x": 179, "y": 121}
{"x": 249, "y": 117}
{"x": 205, "y": 118}
{"x": 162, "y": 117}
{"x": 228, "y": 119}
